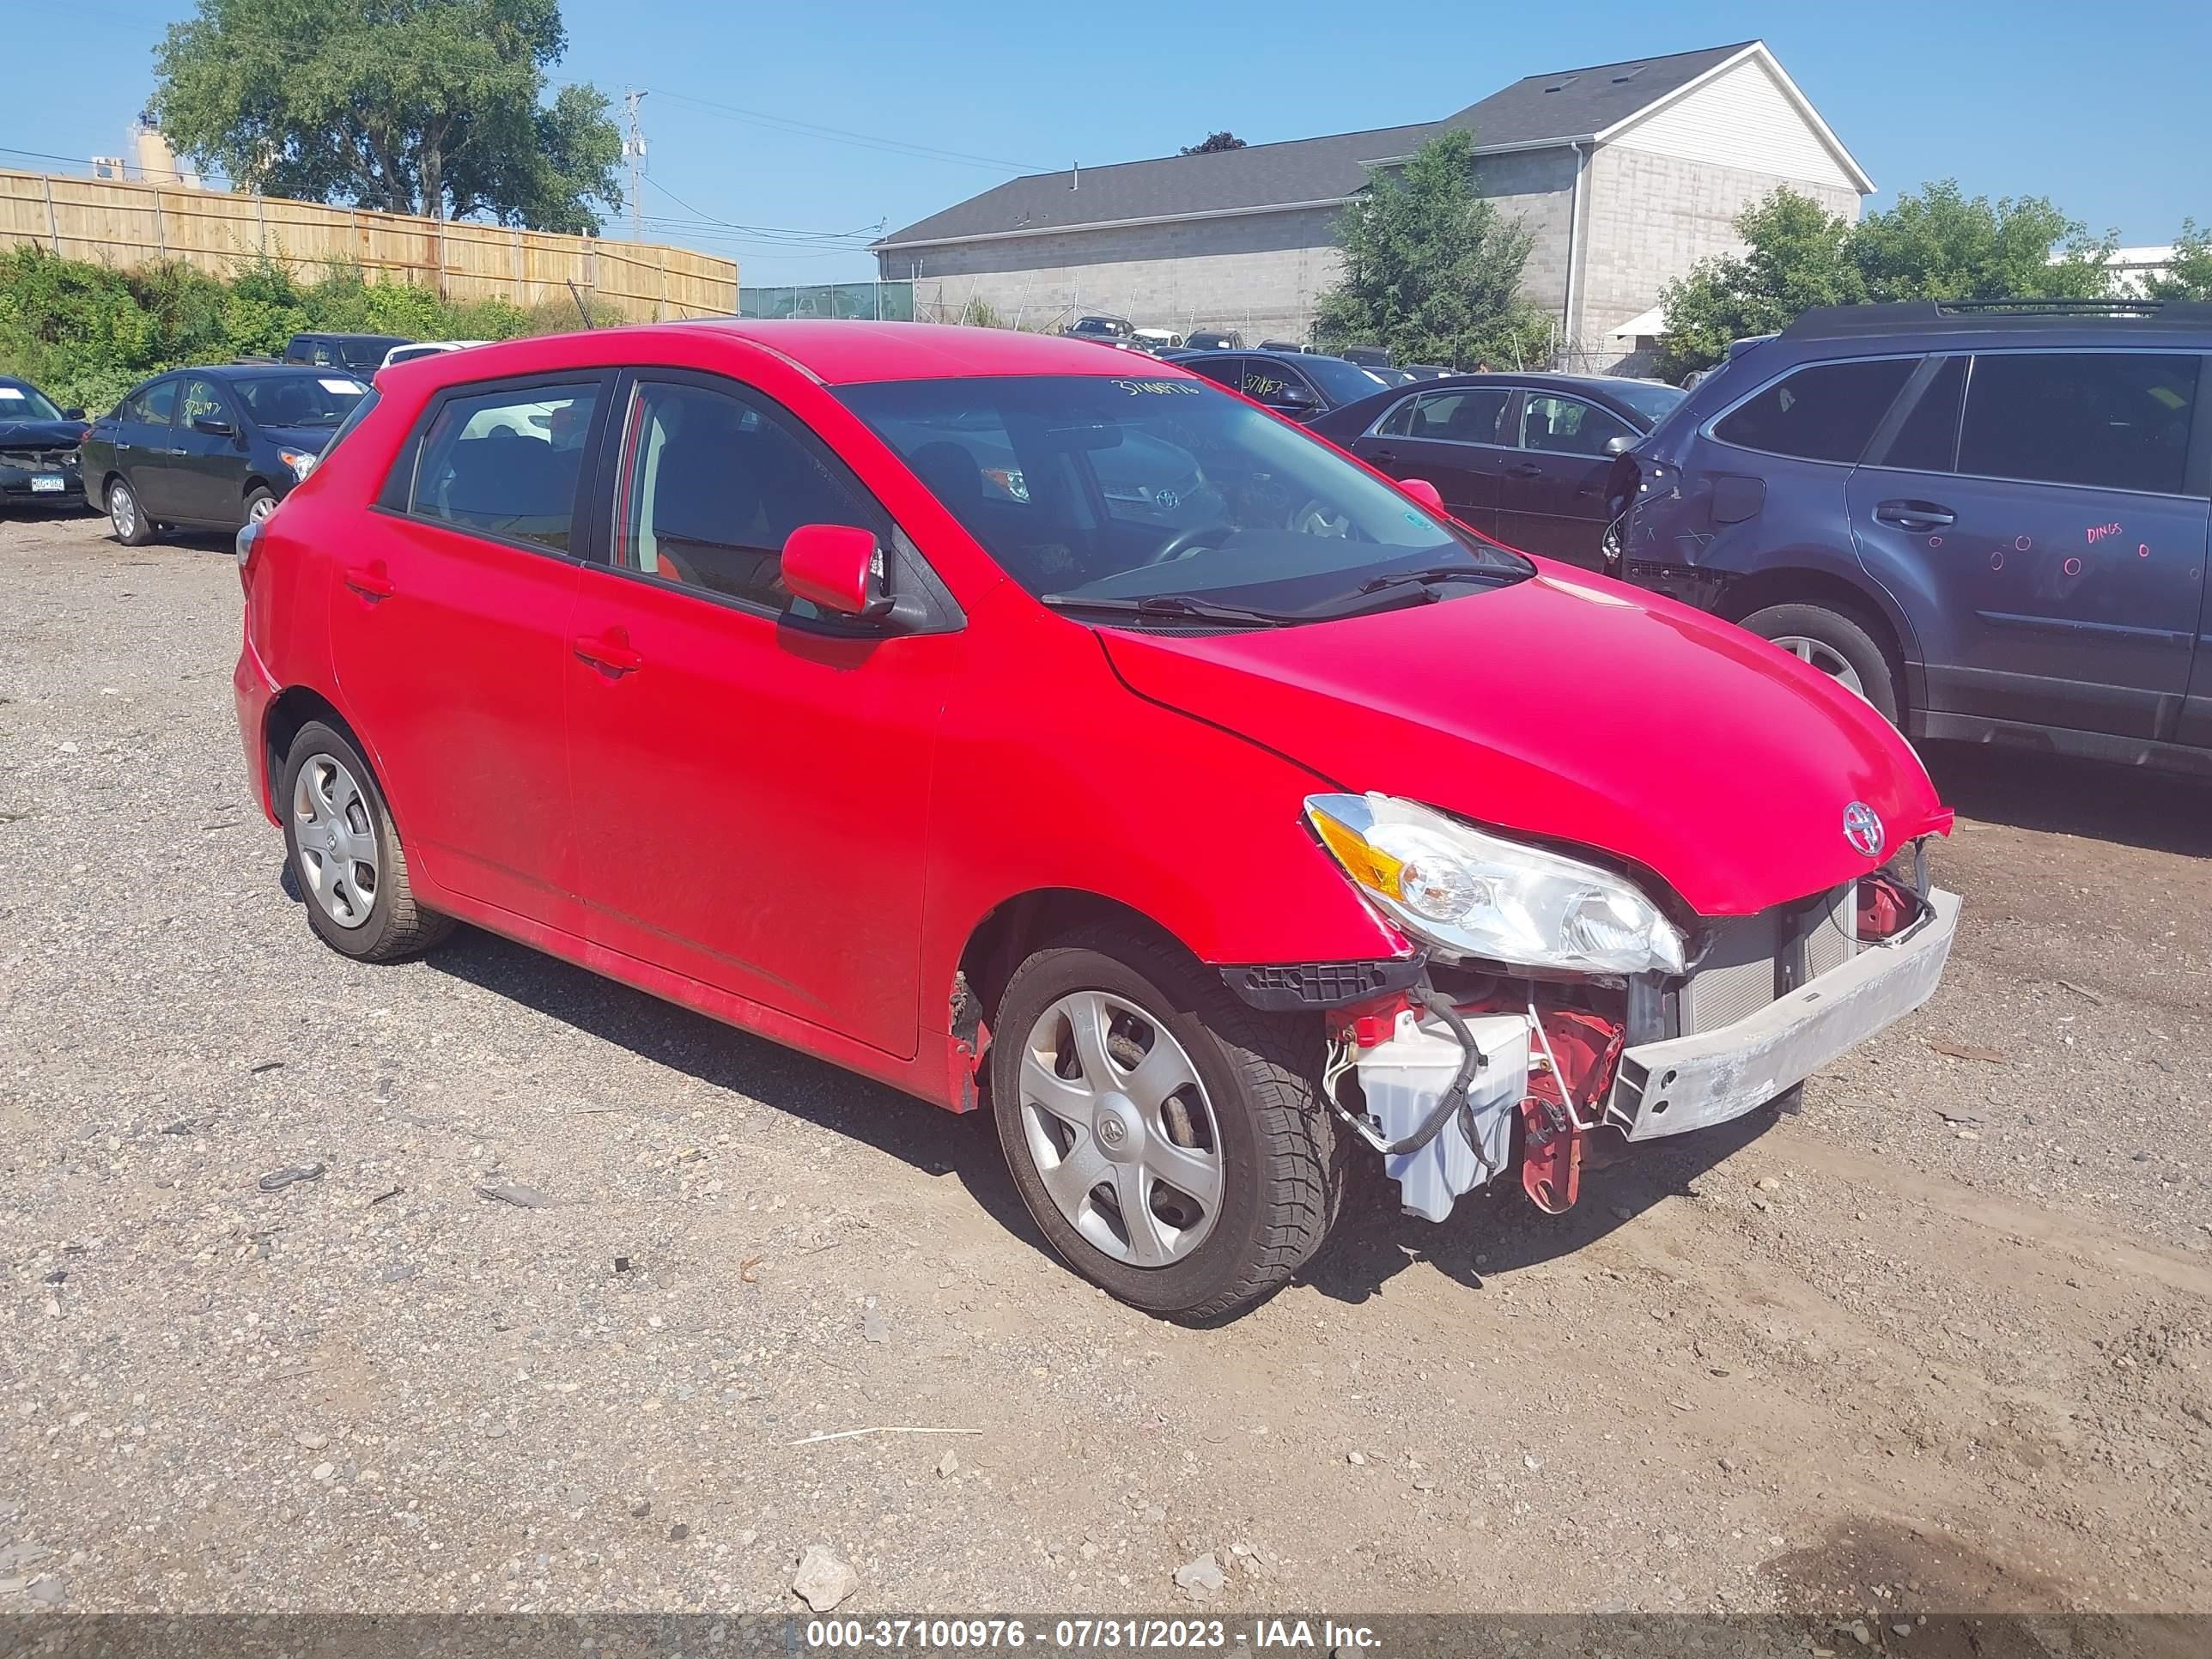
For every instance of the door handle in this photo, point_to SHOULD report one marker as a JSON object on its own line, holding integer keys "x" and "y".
{"x": 372, "y": 581}
{"x": 1525, "y": 469}
{"x": 1915, "y": 515}
{"x": 176, "y": 451}
{"x": 121, "y": 445}
{"x": 1381, "y": 456}
{"x": 610, "y": 650}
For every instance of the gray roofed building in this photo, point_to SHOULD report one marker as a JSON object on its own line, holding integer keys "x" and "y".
{"x": 1626, "y": 174}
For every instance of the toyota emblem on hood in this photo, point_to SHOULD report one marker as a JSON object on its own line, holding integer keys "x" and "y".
{"x": 1862, "y": 828}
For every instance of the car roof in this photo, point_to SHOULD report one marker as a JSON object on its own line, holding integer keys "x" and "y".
{"x": 326, "y": 334}
{"x": 262, "y": 371}
{"x": 840, "y": 353}
{"x": 1593, "y": 387}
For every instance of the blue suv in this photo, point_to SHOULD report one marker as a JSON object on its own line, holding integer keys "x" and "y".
{"x": 1990, "y": 520}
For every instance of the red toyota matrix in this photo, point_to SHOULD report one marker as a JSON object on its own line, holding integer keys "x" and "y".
{"x": 1037, "y": 729}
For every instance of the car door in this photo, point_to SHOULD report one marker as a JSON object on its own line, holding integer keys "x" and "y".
{"x": 449, "y": 632}
{"x": 1552, "y": 493}
{"x": 751, "y": 779}
{"x": 1451, "y": 438}
{"x": 206, "y": 468}
{"x": 144, "y": 437}
{"x": 2046, "y": 515}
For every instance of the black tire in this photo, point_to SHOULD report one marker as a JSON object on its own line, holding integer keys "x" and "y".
{"x": 128, "y": 521}
{"x": 1282, "y": 1163}
{"x": 396, "y": 926}
{"x": 254, "y": 497}
{"x": 1850, "y": 637}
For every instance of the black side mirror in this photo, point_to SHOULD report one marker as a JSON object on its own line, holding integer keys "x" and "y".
{"x": 72, "y": 414}
{"x": 213, "y": 426}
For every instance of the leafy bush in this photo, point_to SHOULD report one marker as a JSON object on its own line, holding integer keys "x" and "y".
{"x": 87, "y": 333}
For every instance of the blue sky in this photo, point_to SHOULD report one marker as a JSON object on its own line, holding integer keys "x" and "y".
{"x": 2105, "y": 112}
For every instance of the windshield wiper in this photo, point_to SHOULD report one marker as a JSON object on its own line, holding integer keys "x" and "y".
{"x": 1435, "y": 573}
{"x": 1179, "y": 606}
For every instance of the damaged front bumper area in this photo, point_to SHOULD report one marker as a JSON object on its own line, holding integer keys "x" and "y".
{"x": 1458, "y": 1082}
{"x": 1681, "y": 1083}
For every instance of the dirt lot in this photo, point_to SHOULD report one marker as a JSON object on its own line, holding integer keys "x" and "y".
{"x": 1940, "y": 1343}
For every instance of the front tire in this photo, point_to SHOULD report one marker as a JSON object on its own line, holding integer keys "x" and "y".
{"x": 126, "y": 517}
{"x": 1841, "y": 647}
{"x": 345, "y": 852}
{"x": 260, "y": 502}
{"x": 1168, "y": 1140}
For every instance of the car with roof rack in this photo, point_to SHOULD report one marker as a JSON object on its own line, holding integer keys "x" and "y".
{"x": 1988, "y": 519}
{"x": 1208, "y": 851}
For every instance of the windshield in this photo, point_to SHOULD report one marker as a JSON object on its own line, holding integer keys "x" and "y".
{"x": 1649, "y": 399}
{"x": 308, "y": 398}
{"x": 1087, "y": 488}
{"x": 19, "y": 402}
{"x": 1343, "y": 381}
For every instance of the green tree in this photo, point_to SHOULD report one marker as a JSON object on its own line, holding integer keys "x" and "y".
{"x": 433, "y": 106}
{"x": 1936, "y": 246}
{"x": 2189, "y": 276}
{"x": 1940, "y": 246}
{"x": 1796, "y": 256}
{"x": 1432, "y": 270}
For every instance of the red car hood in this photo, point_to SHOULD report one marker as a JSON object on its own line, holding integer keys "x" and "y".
{"x": 1571, "y": 708}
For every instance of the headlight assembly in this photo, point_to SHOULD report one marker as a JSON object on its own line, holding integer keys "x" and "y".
{"x": 303, "y": 462}
{"x": 1475, "y": 895}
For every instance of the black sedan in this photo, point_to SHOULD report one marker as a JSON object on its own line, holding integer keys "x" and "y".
{"x": 1302, "y": 385}
{"x": 1524, "y": 457}
{"x": 38, "y": 449}
{"x": 212, "y": 448}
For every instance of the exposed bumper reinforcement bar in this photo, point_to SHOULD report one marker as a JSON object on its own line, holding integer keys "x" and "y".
{"x": 1672, "y": 1087}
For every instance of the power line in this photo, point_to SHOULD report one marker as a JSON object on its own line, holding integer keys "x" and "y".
{"x": 766, "y": 232}
{"x": 865, "y": 141}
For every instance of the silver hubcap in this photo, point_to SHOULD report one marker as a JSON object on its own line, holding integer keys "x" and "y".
{"x": 1120, "y": 1130}
{"x": 336, "y": 840}
{"x": 121, "y": 510}
{"x": 1826, "y": 658}
{"x": 262, "y": 507}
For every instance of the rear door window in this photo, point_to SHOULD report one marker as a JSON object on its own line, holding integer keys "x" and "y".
{"x": 508, "y": 464}
{"x": 1473, "y": 415}
{"x": 151, "y": 405}
{"x": 2113, "y": 420}
{"x": 1822, "y": 412}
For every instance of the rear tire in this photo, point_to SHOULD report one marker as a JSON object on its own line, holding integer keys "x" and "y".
{"x": 1839, "y": 645}
{"x": 345, "y": 855}
{"x": 126, "y": 517}
{"x": 1188, "y": 1103}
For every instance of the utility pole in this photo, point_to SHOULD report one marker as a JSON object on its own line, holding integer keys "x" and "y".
{"x": 634, "y": 153}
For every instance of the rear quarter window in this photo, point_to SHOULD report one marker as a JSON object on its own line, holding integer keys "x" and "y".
{"x": 1822, "y": 412}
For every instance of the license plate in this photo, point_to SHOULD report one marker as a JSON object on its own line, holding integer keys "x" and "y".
{"x": 48, "y": 483}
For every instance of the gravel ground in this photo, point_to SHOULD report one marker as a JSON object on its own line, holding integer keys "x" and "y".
{"x": 1939, "y": 1343}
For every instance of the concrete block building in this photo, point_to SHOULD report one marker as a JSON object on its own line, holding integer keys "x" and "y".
{"x": 1625, "y": 173}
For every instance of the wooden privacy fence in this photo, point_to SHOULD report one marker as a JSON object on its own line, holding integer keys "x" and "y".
{"x": 120, "y": 223}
